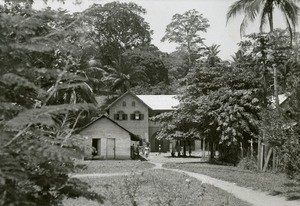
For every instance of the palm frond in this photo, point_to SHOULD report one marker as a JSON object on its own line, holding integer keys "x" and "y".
{"x": 95, "y": 69}
{"x": 67, "y": 91}
{"x": 254, "y": 8}
{"x": 291, "y": 10}
{"x": 290, "y": 29}
{"x": 243, "y": 25}
{"x": 43, "y": 116}
{"x": 8, "y": 106}
{"x": 16, "y": 81}
{"x": 10, "y": 168}
{"x": 263, "y": 18}
{"x": 238, "y": 7}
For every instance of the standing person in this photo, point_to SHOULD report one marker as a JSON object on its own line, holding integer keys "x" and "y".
{"x": 147, "y": 149}
{"x": 94, "y": 152}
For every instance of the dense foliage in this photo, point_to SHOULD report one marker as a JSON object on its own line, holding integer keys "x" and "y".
{"x": 52, "y": 63}
{"x": 44, "y": 98}
{"x": 184, "y": 30}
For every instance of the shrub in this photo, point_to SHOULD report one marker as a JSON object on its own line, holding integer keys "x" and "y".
{"x": 248, "y": 163}
{"x": 229, "y": 154}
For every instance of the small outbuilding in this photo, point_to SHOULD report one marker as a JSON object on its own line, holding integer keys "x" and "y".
{"x": 106, "y": 139}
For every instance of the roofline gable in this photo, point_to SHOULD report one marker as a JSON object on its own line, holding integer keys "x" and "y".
{"x": 128, "y": 92}
{"x": 132, "y": 136}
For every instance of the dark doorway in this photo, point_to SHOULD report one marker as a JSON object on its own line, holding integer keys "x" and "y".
{"x": 96, "y": 144}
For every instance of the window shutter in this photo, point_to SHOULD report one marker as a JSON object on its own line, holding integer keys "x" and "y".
{"x": 125, "y": 117}
{"x": 132, "y": 116}
{"x": 115, "y": 116}
{"x": 141, "y": 116}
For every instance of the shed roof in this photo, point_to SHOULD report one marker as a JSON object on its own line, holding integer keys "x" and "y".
{"x": 160, "y": 102}
{"x": 133, "y": 137}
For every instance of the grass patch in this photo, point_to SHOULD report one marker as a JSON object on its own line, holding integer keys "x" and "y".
{"x": 111, "y": 166}
{"x": 156, "y": 187}
{"x": 273, "y": 183}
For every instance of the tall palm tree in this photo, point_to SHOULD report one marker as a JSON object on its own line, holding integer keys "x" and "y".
{"x": 265, "y": 8}
{"x": 212, "y": 55}
{"x": 122, "y": 75}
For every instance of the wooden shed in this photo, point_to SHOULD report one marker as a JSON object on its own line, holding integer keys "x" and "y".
{"x": 106, "y": 139}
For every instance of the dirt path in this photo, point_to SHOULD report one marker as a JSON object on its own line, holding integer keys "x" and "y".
{"x": 251, "y": 196}
{"x": 98, "y": 175}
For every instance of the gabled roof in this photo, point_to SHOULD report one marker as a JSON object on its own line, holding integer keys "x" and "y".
{"x": 160, "y": 102}
{"x": 126, "y": 93}
{"x": 133, "y": 137}
{"x": 153, "y": 102}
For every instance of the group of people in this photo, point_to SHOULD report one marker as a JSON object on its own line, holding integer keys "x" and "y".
{"x": 136, "y": 150}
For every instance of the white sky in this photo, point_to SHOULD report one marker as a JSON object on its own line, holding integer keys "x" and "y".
{"x": 160, "y": 12}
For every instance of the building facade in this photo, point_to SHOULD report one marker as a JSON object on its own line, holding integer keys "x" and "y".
{"x": 133, "y": 112}
{"x": 106, "y": 139}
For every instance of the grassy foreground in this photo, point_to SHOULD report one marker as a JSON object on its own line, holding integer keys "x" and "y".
{"x": 149, "y": 187}
{"x": 156, "y": 187}
{"x": 274, "y": 184}
{"x": 112, "y": 166}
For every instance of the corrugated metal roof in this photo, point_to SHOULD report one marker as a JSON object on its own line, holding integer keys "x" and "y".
{"x": 160, "y": 102}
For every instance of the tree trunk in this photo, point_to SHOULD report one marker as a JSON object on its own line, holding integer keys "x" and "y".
{"x": 189, "y": 53}
{"x": 271, "y": 24}
{"x": 276, "y": 89}
{"x": 184, "y": 148}
{"x": 212, "y": 151}
{"x": 203, "y": 150}
{"x": 267, "y": 159}
{"x": 190, "y": 147}
{"x": 274, "y": 166}
{"x": 242, "y": 150}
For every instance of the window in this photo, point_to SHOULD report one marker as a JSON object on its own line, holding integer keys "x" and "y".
{"x": 137, "y": 116}
{"x": 133, "y": 103}
{"x": 124, "y": 104}
{"x": 120, "y": 116}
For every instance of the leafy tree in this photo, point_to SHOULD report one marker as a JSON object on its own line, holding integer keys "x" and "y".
{"x": 177, "y": 126}
{"x": 136, "y": 67}
{"x": 115, "y": 27}
{"x": 149, "y": 62}
{"x": 160, "y": 88}
{"x": 219, "y": 104}
{"x": 263, "y": 52}
{"x": 184, "y": 30}
{"x": 266, "y": 8}
{"x": 37, "y": 142}
{"x": 114, "y": 30}
{"x": 223, "y": 103}
{"x": 177, "y": 64}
